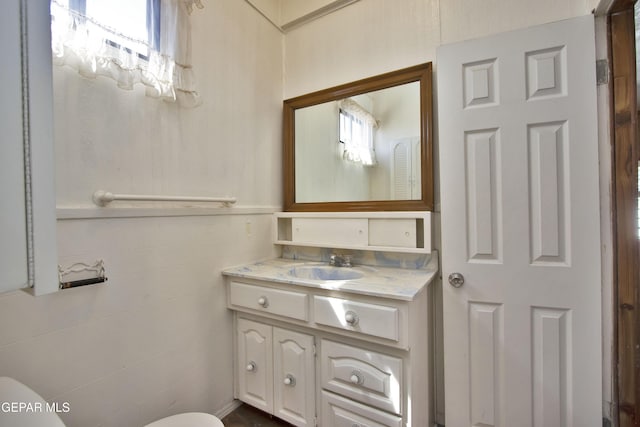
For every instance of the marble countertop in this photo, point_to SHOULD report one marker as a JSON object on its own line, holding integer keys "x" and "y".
{"x": 395, "y": 283}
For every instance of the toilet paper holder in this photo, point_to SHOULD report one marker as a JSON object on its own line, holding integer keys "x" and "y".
{"x": 81, "y": 274}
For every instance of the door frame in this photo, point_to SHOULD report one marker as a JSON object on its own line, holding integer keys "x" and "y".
{"x": 624, "y": 175}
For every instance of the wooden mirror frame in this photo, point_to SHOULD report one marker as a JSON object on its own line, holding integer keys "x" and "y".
{"x": 419, "y": 73}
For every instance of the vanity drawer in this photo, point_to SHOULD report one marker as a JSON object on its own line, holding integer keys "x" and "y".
{"x": 371, "y": 319}
{"x": 363, "y": 375}
{"x": 269, "y": 300}
{"x": 340, "y": 412}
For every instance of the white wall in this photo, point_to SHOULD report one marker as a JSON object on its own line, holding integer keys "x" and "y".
{"x": 156, "y": 338}
{"x": 370, "y": 37}
{"x": 366, "y": 38}
{"x": 127, "y": 143}
{"x": 467, "y": 19}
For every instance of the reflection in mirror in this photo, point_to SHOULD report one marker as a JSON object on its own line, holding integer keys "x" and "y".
{"x": 365, "y": 147}
{"x": 362, "y": 146}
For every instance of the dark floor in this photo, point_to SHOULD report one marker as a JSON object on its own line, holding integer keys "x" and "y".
{"x": 248, "y": 416}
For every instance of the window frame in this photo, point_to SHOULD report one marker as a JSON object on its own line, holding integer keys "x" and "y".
{"x": 342, "y": 113}
{"x": 153, "y": 25}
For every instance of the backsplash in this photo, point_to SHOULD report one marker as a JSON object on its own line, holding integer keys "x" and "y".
{"x": 359, "y": 257}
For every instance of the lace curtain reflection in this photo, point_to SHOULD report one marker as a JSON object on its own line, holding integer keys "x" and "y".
{"x": 356, "y": 133}
{"x": 161, "y": 62}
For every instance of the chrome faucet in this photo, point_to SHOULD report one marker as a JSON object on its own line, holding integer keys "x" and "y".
{"x": 340, "y": 260}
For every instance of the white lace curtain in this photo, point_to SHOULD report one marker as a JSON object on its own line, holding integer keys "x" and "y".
{"x": 356, "y": 132}
{"x": 95, "y": 48}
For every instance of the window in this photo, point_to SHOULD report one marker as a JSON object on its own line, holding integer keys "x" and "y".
{"x": 356, "y": 133}
{"x": 130, "y": 24}
{"x": 130, "y": 41}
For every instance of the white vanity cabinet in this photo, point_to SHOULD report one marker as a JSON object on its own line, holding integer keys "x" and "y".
{"x": 333, "y": 354}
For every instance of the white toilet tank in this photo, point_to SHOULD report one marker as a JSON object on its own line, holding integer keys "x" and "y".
{"x": 23, "y": 407}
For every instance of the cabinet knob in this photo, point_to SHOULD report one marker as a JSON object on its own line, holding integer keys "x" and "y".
{"x": 252, "y": 367}
{"x": 263, "y": 301}
{"x": 351, "y": 318}
{"x": 289, "y": 380}
{"x": 357, "y": 377}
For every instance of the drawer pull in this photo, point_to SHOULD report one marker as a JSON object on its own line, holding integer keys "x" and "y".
{"x": 263, "y": 301}
{"x": 252, "y": 367}
{"x": 357, "y": 377}
{"x": 351, "y": 318}
{"x": 289, "y": 380}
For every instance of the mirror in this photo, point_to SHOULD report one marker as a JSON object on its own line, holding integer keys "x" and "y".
{"x": 361, "y": 146}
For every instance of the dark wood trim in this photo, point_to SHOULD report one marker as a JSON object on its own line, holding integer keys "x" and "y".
{"x": 625, "y": 206}
{"x": 621, "y": 6}
{"x": 420, "y": 73}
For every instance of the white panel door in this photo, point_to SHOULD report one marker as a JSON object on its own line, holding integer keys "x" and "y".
{"x": 401, "y": 171}
{"x": 294, "y": 377}
{"x": 520, "y": 222}
{"x": 405, "y": 169}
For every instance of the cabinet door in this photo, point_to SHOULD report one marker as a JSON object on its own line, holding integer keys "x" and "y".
{"x": 294, "y": 377}
{"x": 255, "y": 364}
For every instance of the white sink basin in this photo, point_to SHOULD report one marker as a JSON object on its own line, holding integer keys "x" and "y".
{"x": 324, "y": 272}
